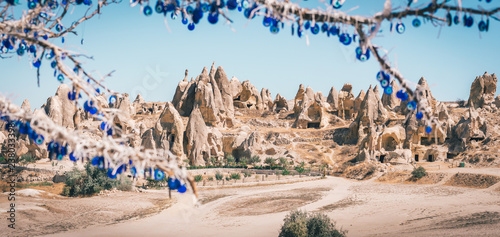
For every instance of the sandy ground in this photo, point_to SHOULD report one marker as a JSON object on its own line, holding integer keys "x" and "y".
{"x": 363, "y": 208}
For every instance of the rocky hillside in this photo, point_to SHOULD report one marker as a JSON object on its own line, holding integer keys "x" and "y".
{"x": 211, "y": 117}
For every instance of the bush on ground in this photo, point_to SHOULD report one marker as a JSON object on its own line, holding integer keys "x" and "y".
{"x": 301, "y": 224}
{"x": 419, "y": 172}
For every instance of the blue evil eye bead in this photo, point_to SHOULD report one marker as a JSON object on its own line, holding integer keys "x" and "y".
{"x": 20, "y": 51}
{"x": 72, "y": 95}
{"x": 307, "y": 25}
{"x": 88, "y": 104}
{"x": 98, "y": 161}
{"x": 32, "y": 49}
{"x": 324, "y": 27}
{"x": 182, "y": 189}
{"x": 385, "y": 83}
{"x": 45, "y": 37}
{"x": 173, "y": 16}
{"x": 482, "y": 26}
{"x": 381, "y": 75}
{"x": 267, "y": 21}
{"x": 87, "y": 2}
{"x": 345, "y": 39}
{"x": 53, "y": 64}
{"x": 400, "y": 28}
{"x": 189, "y": 10}
{"x": 412, "y": 105}
{"x": 60, "y": 78}
{"x": 159, "y": 7}
{"x": 72, "y": 157}
{"x": 133, "y": 171}
{"x": 112, "y": 99}
{"x": 111, "y": 174}
{"x": 245, "y": 4}
{"x": 362, "y": 56}
{"x": 337, "y": 3}
{"x": 173, "y": 183}
{"x": 315, "y": 29}
{"x": 334, "y": 30}
{"x": 449, "y": 19}
{"x": 204, "y": 7}
{"x": 213, "y": 18}
{"x": 191, "y": 26}
{"x": 37, "y": 63}
{"x": 147, "y": 11}
{"x": 232, "y": 4}
{"x": 121, "y": 168}
{"x": 274, "y": 29}
{"x": 184, "y": 21}
{"x": 416, "y": 22}
{"x": 428, "y": 129}
{"x": 402, "y": 95}
{"x": 388, "y": 90}
{"x": 197, "y": 15}
{"x": 31, "y": 4}
{"x": 38, "y": 139}
{"x": 248, "y": 13}
{"x": 159, "y": 174}
{"x": 469, "y": 21}
{"x": 103, "y": 126}
{"x": 419, "y": 115}
{"x": 456, "y": 20}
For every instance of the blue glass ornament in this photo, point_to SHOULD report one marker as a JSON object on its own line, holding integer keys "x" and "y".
{"x": 232, "y": 4}
{"x": 121, "y": 168}
{"x": 456, "y": 20}
{"x": 45, "y": 37}
{"x": 337, "y": 3}
{"x": 110, "y": 174}
{"x": 400, "y": 28}
{"x": 385, "y": 83}
{"x": 79, "y": 2}
{"x": 20, "y": 51}
{"x": 174, "y": 183}
{"x": 267, "y": 21}
{"x": 307, "y": 25}
{"x": 60, "y": 78}
{"x": 72, "y": 95}
{"x": 388, "y": 90}
{"x": 159, "y": 175}
{"x": 184, "y": 21}
{"x": 103, "y": 126}
{"x": 182, "y": 189}
{"x": 362, "y": 56}
{"x": 64, "y": 2}
{"x": 416, "y": 22}
{"x": 53, "y": 64}
{"x": 112, "y": 99}
{"x": 197, "y": 15}
{"x": 189, "y": 10}
{"x": 412, "y": 105}
{"x": 245, "y": 4}
{"x": 213, "y": 18}
{"x": 31, "y": 4}
{"x": 428, "y": 129}
{"x": 248, "y": 13}
{"x": 171, "y": 7}
{"x": 173, "y": 16}
{"x": 98, "y": 161}
{"x": 133, "y": 171}
{"x": 159, "y": 7}
{"x": 482, "y": 26}
{"x": 72, "y": 157}
{"x": 147, "y": 11}
{"x": 324, "y": 28}
{"x": 32, "y": 49}
{"x": 334, "y": 30}
{"x": 315, "y": 29}
{"x": 191, "y": 26}
{"x": 37, "y": 63}
{"x": 469, "y": 21}
{"x": 38, "y": 139}
{"x": 274, "y": 29}
{"x": 419, "y": 115}
{"x": 381, "y": 75}
{"x": 449, "y": 19}
{"x": 345, "y": 39}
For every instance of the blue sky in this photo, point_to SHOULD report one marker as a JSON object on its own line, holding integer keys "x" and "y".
{"x": 149, "y": 59}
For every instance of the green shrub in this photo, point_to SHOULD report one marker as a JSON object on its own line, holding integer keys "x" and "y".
{"x": 228, "y": 178}
{"x": 198, "y": 178}
{"x": 247, "y": 173}
{"x": 255, "y": 160}
{"x": 302, "y": 224}
{"x": 92, "y": 181}
{"x": 219, "y": 176}
{"x": 419, "y": 172}
{"x": 235, "y": 176}
{"x": 210, "y": 178}
{"x": 285, "y": 172}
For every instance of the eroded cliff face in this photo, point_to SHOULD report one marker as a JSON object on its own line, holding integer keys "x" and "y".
{"x": 211, "y": 117}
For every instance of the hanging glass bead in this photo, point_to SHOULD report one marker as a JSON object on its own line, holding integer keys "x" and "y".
{"x": 112, "y": 99}
{"x": 267, "y": 21}
{"x": 98, "y": 161}
{"x": 20, "y": 51}
{"x": 416, "y": 22}
{"x": 38, "y": 139}
{"x": 72, "y": 157}
{"x": 197, "y": 15}
{"x": 53, "y": 64}
{"x": 419, "y": 115}
{"x": 337, "y": 3}
{"x": 428, "y": 129}
{"x": 412, "y": 105}
{"x": 482, "y": 26}
{"x": 232, "y": 4}
{"x": 182, "y": 189}
{"x": 133, "y": 171}
{"x": 245, "y": 4}
{"x": 307, "y": 25}
{"x": 469, "y": 21}
{"x": 173, "y": 16}
{"x": 345, "y": 39}
{"x": 456, "y": 20}
{"x": 334, "y": 30}
{"x": 362, "y": 56}
{"x": 60, "y": 78}
{"x": 31, "y": 5}
{"x": 274, "y": 29}
{"x": 174, "y": 183}
{"x": 189, "y": 10}
{"x": 37, "y": 63}
{"x": 315, "y": 29}
{"x": 159, "y": 175}
{"x": 191, "y": 26}
{"x": 385, "y": 83}
{"x": 402, "y": 95}
{"x": 111, "y": 174}
{"x": 213, "y": 18}
{"x": 381, "y": 75}
{"x": 400, "y": 28}
{"x": 158, "y": 7}
{"x": 388, "y": 90}
{"x": 147, "y": 11}
{"x": 184, "y": 21}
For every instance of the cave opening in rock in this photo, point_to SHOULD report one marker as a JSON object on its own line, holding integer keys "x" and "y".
{"x": 430, "y": 158}
{"x": 416, "y": 157}
{"x": 312, "y": 125}
{"x": 382, "y": 158}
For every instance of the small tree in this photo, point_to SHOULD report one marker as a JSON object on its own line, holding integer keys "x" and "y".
{"x": 270, "y": 161}
{"x": 198, "y": 178}
{"x": 244, "y": 161}
{"x": 285, "y": 172}
{"x": 300, "y": 169}
{"x": 283, "y": 162}
{"x": 418, "y": 173}
{"x": 229, "y": 159}
{"x": 218, "y": 177}
{"x": 302, "y": 224}
{"x": 213, "y": 161}
{"x": 254, "y": 160}
{"x": 236, "y": 176}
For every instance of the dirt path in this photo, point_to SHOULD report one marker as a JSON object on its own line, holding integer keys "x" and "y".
{"x": 363, "y": 208}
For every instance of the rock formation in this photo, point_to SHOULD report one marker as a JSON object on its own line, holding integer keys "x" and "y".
{"x": 171, "y": 128}
{"x": 346, "y": 101}
{"x": 391, "y": 101}
{"x": 249, "y": 97}
{"x": 60, "y": 109}
{"x": 482, "y": 91}
{"x": 280, "y": 104}
{"x": 333, "y": 99}
{"x": 267, "y": 101}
